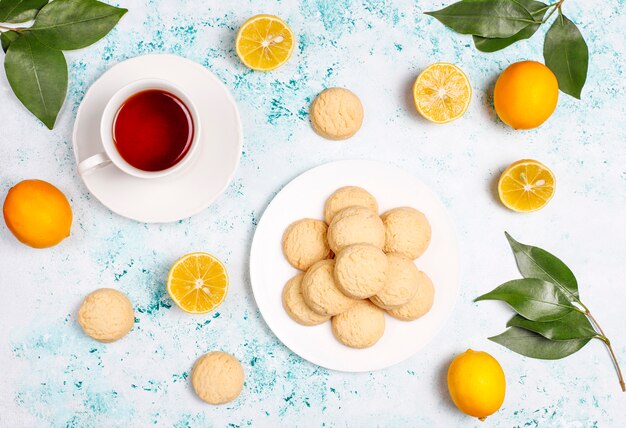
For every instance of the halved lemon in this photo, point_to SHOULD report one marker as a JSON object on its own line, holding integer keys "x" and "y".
{"x": 527, "y": 185}
{"x": 198, "y": 283}
{"x": 442, "y": 92}
{"x": 264, "y": 42}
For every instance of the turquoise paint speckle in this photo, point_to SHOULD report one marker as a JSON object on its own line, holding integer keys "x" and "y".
{"x": 336, "y": 15}
{"x": 185, "y": 33}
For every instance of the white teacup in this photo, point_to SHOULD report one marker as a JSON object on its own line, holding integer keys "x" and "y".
{"x": 110, "y": 153}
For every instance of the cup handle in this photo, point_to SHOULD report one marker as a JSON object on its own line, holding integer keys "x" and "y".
{"x": 92, "y": 163}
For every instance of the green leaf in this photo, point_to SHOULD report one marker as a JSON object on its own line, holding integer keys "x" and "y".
{"x": 532, "y": 298}
{"x": 534, "y": 262}
{"x": 38, "y": 76}
{"x": 566, "y": 54}
{"x": 486, "y": 18}
{"x": 75, "y": 24}
{"x": 533, "y": 345}
{"x": 574, "y": 325}
{"x": 7, "y": 38}
{"x": 16, "y": 11}
{"x": 536, "y": 9}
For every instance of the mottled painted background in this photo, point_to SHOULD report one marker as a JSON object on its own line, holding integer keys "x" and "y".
{"x": 53, "y": 375}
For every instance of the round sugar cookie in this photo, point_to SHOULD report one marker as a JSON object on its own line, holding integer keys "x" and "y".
{"x": 401, "y": 285}
{"x": 217, "y": 377}
{"x": 106, "y": 315}
{"x": 349, "y": 196}
{"x": 355, "y": 225}
{"x": 361, "y": 270}
{"x": 336, "y": 114}
{"x": 360, "y": 326}
{"x": 295, "y": 306}
{"x": 420, "y": 304}
{"x": 305, "y": 243}
{"x": 407, "y": 232}
{"x": 320, "y": 291}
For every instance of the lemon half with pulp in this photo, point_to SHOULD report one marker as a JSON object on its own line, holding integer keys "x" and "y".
{"x": 264, "y": 42}
{"x": 442, "y": 92}
{"x": 198, "y": 283}
{"x": 526, "y": 185}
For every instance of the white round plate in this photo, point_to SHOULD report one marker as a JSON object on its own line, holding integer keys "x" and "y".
{"x": 305, "y": 197}
{"x": 181, "y": 195}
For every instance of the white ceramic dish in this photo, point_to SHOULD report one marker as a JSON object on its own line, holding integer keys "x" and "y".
{"x": 305, "y": 197}
{"x": 181, "y": 194}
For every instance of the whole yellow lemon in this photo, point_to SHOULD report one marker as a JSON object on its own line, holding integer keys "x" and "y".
{"x": 37, "y": 213}
{"x": 476, "y": 383}
{"x": 526, "y": 94}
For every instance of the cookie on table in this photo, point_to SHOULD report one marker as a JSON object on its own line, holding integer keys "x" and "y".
{"x": 106, "y": 315}
{"x": 305, "y": 243}
{"x": 401, "y": 285}
{"x": 349, "y": 196}
{"x": 320, "y": 291}
{"x": 217, "y": 377}
{"x": 355, "y": 225}
{"x": 420, "y": 304}
{"x": 336, "y": 114}
{"x": 407, "y": 232}
{"x": 361, "y": 270}
{"x": 295, "y": 306}
{"x": 360, "y": 326}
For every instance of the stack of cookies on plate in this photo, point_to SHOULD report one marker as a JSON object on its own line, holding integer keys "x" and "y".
{"x": 357, "y": 265}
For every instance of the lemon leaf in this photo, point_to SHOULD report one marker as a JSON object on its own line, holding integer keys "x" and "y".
{"x": 534, "y": 345}
{"x": 486, "y": 18}
{"x": 532, "y": 298}
{"x": 17, "y": 11}
{"x": 75, "y": 24}
{"x": 574, "y": 325}
{"x": 38, "y": 76}
{"x": 567, "y": 55}
{"x": 7, "y": 38}
{"x": 534, "y": 262}
{"x": 536, "y": 8}
{"x": 550, "y": 326}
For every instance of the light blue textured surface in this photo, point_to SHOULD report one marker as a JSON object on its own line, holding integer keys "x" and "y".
{"x": 52, "y": 374}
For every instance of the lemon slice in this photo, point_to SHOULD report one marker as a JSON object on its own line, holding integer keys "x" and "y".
{"x": 198, "y": 283}
{"x": 442, "y": 92}
{"x": 526, "y": 186}
{"x": 264, "y": 42}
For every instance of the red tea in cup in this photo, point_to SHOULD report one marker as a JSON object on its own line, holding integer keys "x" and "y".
{"x": 153, "y": 130}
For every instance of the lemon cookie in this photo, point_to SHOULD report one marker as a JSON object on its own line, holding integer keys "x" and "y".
{"x": 360, "y": 326}
{"x": 106, "y": 315}
{"x": 294, "y": 304}
{"x": 407, "y": 232}
{"x": 349, "y": 196}
{"x": 336, "y": 114}
{"x": 361, "y": 270}
{"x": 305, "y": 243}
{"x": 217, "y": 377}
{"x": 401, "y": 285}
{"x": 420, "y": 304}
{"x": 355, "y": 225}
{"x": 320, "y": 291}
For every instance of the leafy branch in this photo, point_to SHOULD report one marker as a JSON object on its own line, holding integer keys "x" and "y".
{"x": 34, "y": 63}
{"x": 551, "y": 322}
{"x": 497, "y": 24}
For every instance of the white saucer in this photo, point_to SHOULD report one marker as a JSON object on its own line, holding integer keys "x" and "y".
{"x": 304, "y": 197}
{"x": 174, "y": 197}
